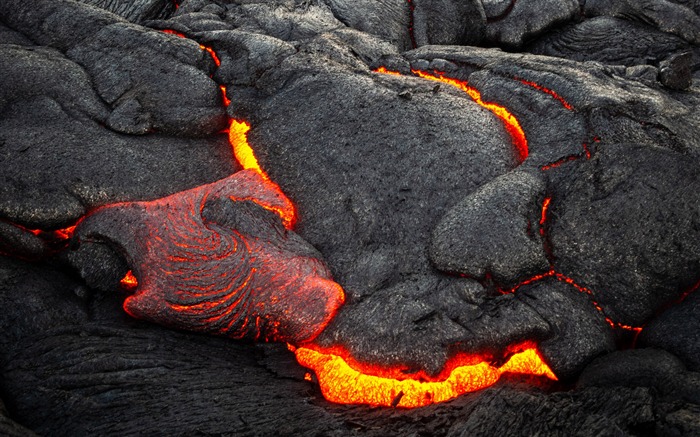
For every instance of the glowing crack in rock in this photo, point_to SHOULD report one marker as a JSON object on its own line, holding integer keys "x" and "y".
{"x": 343, "y": 380}
{"x": 238, "y": 137}
{"x": 511, "y": 124}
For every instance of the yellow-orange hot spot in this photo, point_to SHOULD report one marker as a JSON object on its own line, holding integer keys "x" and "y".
{"x": 384, "y": 70}
{"x": 343, "y": 384}
{"x": 129, "y": 281}
{"x": 238, "y": 137}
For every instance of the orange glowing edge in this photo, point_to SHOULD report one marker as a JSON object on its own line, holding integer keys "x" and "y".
{"x": 511, "y": 123}
{"x": 341, "y": 383}
{"x": 238, "y": 137}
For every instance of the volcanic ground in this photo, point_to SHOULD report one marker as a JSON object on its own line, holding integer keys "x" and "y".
{"x": 335, "y": 217}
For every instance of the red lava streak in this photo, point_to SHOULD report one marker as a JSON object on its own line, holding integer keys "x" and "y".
{"x": 229, "y": 273}
{"x": 510, "y": 122}
{"x": 552, "y": 273}
{"x": 209, "y": 50}
{"x": 223, "y": 95}
{"x": 552, "y": 93}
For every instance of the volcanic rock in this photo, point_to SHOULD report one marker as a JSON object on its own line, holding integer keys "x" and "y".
{"x": 469, "y": 201}
{"x": 676, "y": 330}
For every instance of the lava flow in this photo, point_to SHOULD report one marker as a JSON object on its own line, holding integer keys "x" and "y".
{"x": 238, "y": 137}
{"x": 510, "y": 122}
{"x": 344, "y": 380}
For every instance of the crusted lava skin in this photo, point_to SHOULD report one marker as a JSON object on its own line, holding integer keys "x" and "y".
{"x": 212, "y": 259}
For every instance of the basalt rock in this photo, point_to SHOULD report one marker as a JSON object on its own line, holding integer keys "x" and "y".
{"x": 466, "y": 199}
{"x": 135, "y": 11}
{"x": 611, "y": 41}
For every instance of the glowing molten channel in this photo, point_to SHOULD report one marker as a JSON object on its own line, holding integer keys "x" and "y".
{"x": 510, "y": 122}
{"x": 341, "y": 381}
{"x": 238, "y": 137}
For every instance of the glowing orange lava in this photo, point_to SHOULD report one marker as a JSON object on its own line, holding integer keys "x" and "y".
{"x": 209, "y": 50}
{"x": 129, "y": 281}
{"x": 238, "y": 137}
{"x": 343, "y": 380}
{"x": 223, "y": 95}
{"x": 511, "y": 123}
{"x": 384, "y": 70}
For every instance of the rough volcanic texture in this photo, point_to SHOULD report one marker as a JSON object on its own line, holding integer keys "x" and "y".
{"x": 213, "y": 259}
{"x": 522, "y": 20}
{"x": 496, "y": 222}
{"x": 445, "y": 235}
{"x": 676, "y": 330}
{"x": 611, "y": 41}
{"x": 136, "y": 11}
{"x": 448, "y": 22}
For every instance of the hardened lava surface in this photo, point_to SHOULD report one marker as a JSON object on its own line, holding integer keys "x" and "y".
{"x": 489, "y": 209}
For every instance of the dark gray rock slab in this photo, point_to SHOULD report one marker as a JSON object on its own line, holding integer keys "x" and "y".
{"x": 135, "y": 11}
{"x": 289, "y": 21}
{"x": 59, "y": 161}
{"x": 576, "y": 334}
{"x": 494, "y": 231}
{"x": 387, "y": 19}
{"x": 676, "y": 71}
{"x": 523, "y": 20}
{"x": 677, "y": 330}
{"x": 447, "y": 22}
{"x": 667, "y": 16}
{"x": 160, "y": 81}
{"x": 653, "y": 368}
{"x": 594, "y": 411}
{"x": 610, "y": 40}
{"x": 604, "y": 230}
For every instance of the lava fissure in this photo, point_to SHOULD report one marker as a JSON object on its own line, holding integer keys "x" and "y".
{"x": 207, "y": 49}
{"x": 344, "y": 380}
{"x": 55, "y": 239}
{"x": 510, "y": 122}
{"x": 552, "y": 273}
{"x": 548, "y": 91}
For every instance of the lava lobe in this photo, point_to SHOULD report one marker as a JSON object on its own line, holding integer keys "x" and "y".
{"x": 215, "y": 259}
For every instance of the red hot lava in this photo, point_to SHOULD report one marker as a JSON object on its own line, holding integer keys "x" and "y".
{"x": 200, "y": 274}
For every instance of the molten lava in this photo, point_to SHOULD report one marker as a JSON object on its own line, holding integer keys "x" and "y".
{"x": 511, "y": 123}
{"x": 223, "y": 95}
{"x": 209, "y": 50}
{"x": 238, "y": 137}
{"x": 552, "y": 93}
{"x": 129, "y": 281}
{"x": 344, "y": 380}
{"x": 207, "y": 260}
{"x": 384, "y": 70}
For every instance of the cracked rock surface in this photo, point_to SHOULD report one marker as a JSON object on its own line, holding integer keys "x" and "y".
{"x": 410, "y": 193}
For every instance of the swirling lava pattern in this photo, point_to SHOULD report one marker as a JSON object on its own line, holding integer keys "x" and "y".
{"x": 210, "y": 259}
